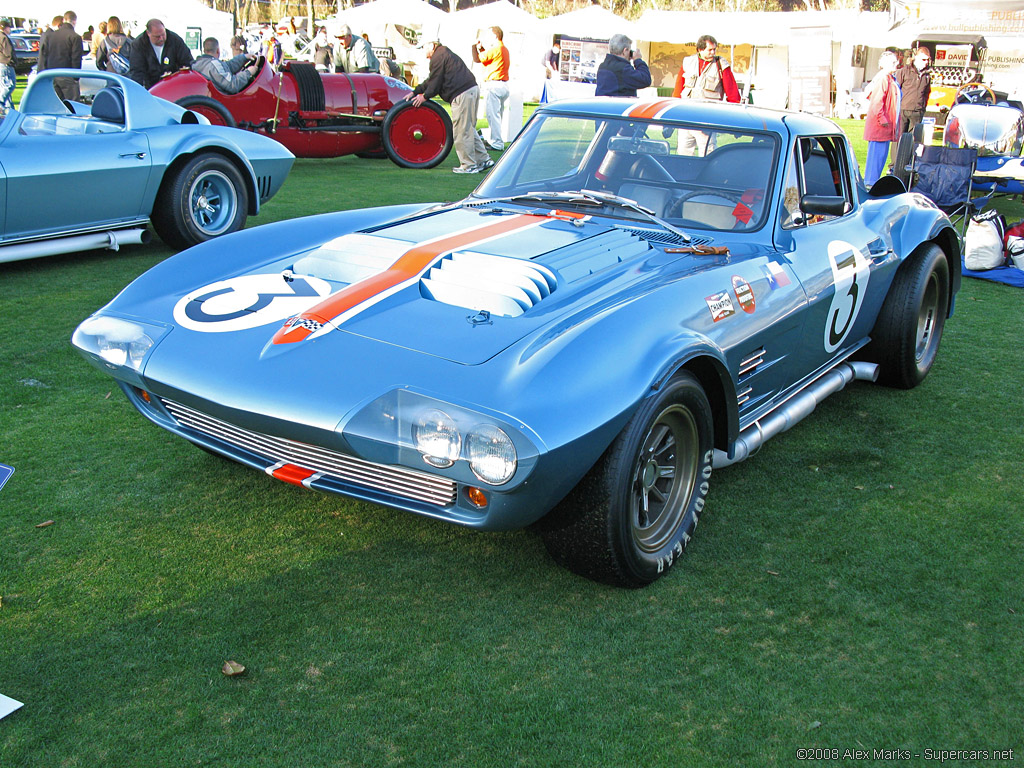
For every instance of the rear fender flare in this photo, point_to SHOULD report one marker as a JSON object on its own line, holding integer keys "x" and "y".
{"x": 929, "y": 224}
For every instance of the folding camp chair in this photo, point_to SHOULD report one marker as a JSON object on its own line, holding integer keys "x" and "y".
{"x": 943, "y": 174}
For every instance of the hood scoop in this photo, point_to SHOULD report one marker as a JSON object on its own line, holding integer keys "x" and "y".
{"x": 351, "y": 258}
{"x": 498, "y": 285}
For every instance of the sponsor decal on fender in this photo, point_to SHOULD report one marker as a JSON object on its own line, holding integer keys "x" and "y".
{"x": 744, "y": 294}
{"x": 720, "y": 305}
{"x": 777, "y": 276}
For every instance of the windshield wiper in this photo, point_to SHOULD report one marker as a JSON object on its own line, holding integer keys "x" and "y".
{"x": 633, "y": 205}
{"x": 587, "y": 197}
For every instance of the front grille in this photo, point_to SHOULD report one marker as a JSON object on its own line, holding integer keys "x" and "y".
{"x": 396, "y": 481}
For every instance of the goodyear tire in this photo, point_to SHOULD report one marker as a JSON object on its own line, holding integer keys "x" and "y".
{"x": 632, "y": 516}
{"x": 209, "y": 108}
{"x": 417, "y": 137}
{"x": 909, "y": 326}
{"x": 904, "y": 158}
{"x": 203, "y": 199}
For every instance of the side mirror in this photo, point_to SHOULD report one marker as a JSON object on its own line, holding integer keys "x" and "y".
{"x": 824, "y": 205}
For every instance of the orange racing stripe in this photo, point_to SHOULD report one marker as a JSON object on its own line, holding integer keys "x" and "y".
{"x": 409, "y": 266}
{"x": 650, "y": 109}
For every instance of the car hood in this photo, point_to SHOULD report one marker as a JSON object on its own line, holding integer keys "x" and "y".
{"x": 461, "y": 285}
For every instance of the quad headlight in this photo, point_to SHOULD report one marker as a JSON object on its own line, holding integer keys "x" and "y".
{"x": 437, "y": 437}
{"x": 119, "y": 343}
{"x": 491, "y": 454}
{"x": 414, "y": 429}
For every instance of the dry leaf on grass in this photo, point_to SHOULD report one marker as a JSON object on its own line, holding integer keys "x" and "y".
{"x": 232, "y": 668}
{"x": 44, "y": 525}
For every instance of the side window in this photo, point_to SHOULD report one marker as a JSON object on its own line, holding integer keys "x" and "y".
{"x": 818, "y": 167}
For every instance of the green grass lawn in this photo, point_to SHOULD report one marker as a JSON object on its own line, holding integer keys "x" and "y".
{"x": 857, "y": 585}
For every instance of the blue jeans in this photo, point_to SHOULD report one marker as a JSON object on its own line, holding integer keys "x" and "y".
{"x": 878, "y": 153}
{"x": 8, "y": 79}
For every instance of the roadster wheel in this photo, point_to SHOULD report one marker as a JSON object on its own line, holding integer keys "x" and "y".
{"x": 909, "y": 327}
{"x": 634, "y": 513}
{"x": 417, "y": 137}
{"x": 205, "y": 198}
{"x": 209, "y": 108}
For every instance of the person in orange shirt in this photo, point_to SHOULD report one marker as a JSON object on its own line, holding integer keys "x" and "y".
{"x": 492, "y": 53}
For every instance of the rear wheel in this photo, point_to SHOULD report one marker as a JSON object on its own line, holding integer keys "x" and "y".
{"x": 209, "y": 108}
{"x": 417, "y": 137}
{"x": 203, "y": 199}
{"x": 909, "y": 327}
{"x": 633, "y": 514}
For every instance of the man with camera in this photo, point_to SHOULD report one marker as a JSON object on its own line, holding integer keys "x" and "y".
{"x": 623, "y": 71}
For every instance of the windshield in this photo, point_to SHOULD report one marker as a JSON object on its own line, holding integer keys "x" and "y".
{"x": 697, "y": 178}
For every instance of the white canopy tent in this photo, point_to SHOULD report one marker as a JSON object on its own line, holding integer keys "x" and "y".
{"x": 177, "y": 15}
{"x": 524, "y": 37}
{"x": 593, "y": 21}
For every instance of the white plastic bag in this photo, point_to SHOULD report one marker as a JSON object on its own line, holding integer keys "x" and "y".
{"x": 983, "y": 245}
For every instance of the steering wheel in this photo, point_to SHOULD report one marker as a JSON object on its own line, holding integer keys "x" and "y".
{"x": 975, "y": 93}
{"x": 676, "y": 209}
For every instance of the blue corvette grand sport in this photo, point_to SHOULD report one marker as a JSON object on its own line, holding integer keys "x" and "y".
{"x": 76, "y": 176}
{"x": 639, "y": 292}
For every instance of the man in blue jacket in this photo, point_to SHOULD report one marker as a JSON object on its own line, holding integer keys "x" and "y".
{"x": 623, "y": 71}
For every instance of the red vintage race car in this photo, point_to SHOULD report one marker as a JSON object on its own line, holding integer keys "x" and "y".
{"x": 322, "y": 115}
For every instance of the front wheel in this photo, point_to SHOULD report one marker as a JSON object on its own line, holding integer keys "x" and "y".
{"x": 417, "y": 137}
{"x": 909, "y": 326}
{"x": 203, "y": 199}
{"x": 632, "y": 516}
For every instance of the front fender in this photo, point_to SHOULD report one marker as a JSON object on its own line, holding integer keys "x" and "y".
{"x": 231, "y": 143}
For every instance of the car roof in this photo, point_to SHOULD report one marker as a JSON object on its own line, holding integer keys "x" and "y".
{"x": 714, "y": 113}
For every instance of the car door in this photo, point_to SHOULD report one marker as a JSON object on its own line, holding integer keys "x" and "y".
{"x": 61, "y": 178}
{"x": 826, "y": 243}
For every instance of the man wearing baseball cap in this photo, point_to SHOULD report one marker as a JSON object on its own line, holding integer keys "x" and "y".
{"x": 354, "y": 54}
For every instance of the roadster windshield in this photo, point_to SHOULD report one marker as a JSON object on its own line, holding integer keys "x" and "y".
{"x": 699, "y": 178}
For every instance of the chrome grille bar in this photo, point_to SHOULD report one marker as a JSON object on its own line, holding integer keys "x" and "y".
{"x": 399, "y": 481}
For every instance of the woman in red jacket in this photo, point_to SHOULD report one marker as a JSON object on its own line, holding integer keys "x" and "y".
{"x": 882, "y": 122}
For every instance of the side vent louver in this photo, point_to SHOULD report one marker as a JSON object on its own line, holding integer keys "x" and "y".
{"x": 749, "y": 364}
{"x": 483, "y": 282}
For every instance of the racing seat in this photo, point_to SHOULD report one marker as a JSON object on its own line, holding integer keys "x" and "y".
{"x": 943, "y": 175}
{"x": 108, "y": 105}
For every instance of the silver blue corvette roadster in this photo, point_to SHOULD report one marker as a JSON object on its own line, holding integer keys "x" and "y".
{"x": 638, "y": 293}
{"x": 79, "y": 176}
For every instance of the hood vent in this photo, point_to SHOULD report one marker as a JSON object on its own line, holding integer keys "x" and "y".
{"x": 482, "y": 282}
{"x": 665, "y": 237}
{"x": 351, "y": 258}
{"x": 579, "y": 260}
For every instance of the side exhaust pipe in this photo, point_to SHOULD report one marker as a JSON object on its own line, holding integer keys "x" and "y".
{"x": 794, "y": 410}
{"x": 112, "y": 240}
